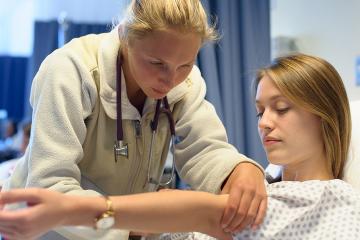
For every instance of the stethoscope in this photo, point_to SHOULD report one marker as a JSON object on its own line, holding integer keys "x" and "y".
{"x": 121, "y": 149}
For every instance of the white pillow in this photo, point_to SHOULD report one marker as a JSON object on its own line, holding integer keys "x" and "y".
{"x": 352, "y": 167}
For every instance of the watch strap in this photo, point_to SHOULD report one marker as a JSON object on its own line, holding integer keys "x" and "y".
{"x": 109, "y": 212}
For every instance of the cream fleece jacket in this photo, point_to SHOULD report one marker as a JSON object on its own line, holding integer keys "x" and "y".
{"x": 63, "y": 97}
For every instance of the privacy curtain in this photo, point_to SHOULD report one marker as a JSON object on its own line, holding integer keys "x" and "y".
{"x": 229, "y": 67}
{"x": 76, "y": 30}
{"x": 45, "y": 41}
{"x": 12, "y": 90}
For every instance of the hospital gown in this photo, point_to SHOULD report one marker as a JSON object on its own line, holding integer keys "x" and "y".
{"x": 303, "y": 210}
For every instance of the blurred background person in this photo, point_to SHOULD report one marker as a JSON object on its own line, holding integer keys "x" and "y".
{"x": 7, "y": 166}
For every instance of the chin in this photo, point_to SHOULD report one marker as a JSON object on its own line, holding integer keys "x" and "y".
{"x": 155, "y": 95}
{"x": 278, "y": 163}
{"x": 277, "y": 160}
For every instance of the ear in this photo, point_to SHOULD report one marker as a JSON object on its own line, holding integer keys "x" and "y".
{"x": 120, "y": 30}
{"x": 121, "y": 34}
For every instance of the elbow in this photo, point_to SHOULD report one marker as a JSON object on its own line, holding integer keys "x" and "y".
{"x": 214, "y": 214}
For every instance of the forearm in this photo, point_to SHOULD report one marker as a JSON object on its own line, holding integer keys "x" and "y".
{"x": 169, "y": 211}
{"x": 173, "y": 211}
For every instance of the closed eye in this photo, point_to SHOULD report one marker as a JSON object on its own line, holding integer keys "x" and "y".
{"x": 282, "y": 110}
{"x": 157, "y": 63}
{"x": 259, "y": 114}
{"x": 186, "y": 65}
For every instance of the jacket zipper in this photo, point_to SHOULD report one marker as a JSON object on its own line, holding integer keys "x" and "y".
{"x": 137, "y": 124}
{"x": 137, "y": 164}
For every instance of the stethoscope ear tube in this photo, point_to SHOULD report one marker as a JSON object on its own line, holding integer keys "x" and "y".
{"x": 155, "y": 121}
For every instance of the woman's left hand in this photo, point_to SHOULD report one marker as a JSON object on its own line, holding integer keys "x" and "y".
{"x": 46, "y": 210}
{"x": 247, "y": 198}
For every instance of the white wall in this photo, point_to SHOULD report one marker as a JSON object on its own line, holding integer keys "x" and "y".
{"x": 94, "y": 11}
{"x": 17, "y": 18}
{"x": 327, "y": 28}
{"x": 16, "y": 27}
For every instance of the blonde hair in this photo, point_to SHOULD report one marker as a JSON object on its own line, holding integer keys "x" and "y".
{"x": 314, "y": 84}
{"x": 144, "y": 16}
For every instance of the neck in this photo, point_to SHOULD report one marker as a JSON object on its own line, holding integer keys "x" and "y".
{"x": 312, "y": 169}
{"x": 135, "y": 94}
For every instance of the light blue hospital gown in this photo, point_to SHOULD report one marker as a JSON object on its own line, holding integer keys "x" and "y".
{"x": 303, "y": 210}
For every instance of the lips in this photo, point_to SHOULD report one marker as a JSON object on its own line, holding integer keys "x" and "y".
{"x": 268, "y": 141}
{"x": 158, "y": 91}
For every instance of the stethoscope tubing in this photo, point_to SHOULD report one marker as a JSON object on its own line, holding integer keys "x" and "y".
{"x": 121, "y": 149}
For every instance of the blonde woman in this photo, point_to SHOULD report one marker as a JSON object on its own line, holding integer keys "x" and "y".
{"x": 304, "y": 124}
{"x": 82, "y": 89}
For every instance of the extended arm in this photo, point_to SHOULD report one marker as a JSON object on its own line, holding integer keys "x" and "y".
{"x": 168, "y": 211}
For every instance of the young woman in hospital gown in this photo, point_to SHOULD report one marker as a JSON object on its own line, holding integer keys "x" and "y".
{"x": 304, "y": 124}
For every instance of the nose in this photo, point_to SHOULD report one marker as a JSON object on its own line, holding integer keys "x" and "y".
{"x": 266, "y": 121}
{"x": 168, "y": 78}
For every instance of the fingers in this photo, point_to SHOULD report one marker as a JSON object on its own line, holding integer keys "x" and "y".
{"x": 223, "y": 236}
{"x": 9, "y": 232}
{"x": 261, "y": 213}
{"x": 15, "y": 218}
{"x": 218, "y": 232}
{"x": 17, "y": 224}
{"x": 20, "y": 195}
{"x": 231, "y": 208}
{"x": 250, "y": 216}
{"x": 245, "y": 207}
{"x": 242, "y": 213}
{"x": 28, "y": 222}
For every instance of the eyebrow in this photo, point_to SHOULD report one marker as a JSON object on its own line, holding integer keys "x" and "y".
{"x": 161, "y": 60}
{"x": 273, "y": 98}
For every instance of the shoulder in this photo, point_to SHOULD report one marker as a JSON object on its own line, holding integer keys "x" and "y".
{"x": 313, "y": 189}
{"x": 192, "y": 88}
{"x": 75, "y": 60}
{"x": 69, "y": 71}
{"x": 343, "y": 190}
{"x": 80, "y": 52}
{"x": 196, "y": 80}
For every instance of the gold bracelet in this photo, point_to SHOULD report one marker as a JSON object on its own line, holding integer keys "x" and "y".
{"x": 106, "y": 220}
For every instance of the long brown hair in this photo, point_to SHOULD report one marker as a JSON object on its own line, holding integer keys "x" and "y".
{"x": 313, "y": 84}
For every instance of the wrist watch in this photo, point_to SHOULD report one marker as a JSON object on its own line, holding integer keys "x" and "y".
{"x": 107, "y": 219}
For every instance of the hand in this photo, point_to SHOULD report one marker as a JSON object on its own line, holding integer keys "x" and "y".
{"x": 219, "y": 233}
{"x": 46, "y": 210}
{"x": 247, "y": 201}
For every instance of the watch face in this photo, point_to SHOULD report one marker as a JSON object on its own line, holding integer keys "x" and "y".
{"x": 105, "y": 223}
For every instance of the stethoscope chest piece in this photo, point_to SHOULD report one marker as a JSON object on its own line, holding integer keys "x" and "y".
{"x": 120, "y": 150}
